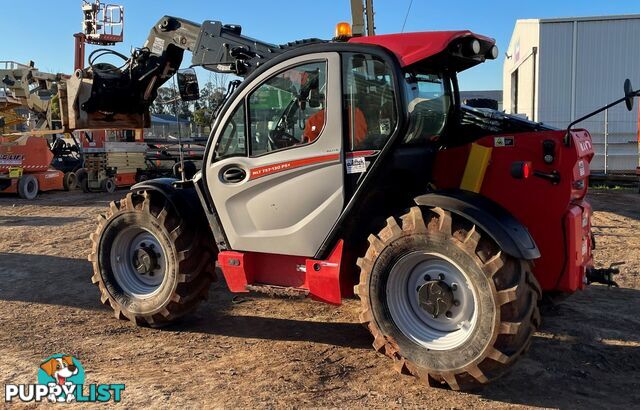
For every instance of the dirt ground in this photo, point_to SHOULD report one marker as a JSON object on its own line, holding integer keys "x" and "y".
{"x": 274, "y": 353}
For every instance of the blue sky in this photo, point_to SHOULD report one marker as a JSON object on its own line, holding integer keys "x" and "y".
{"x": 42, "y": 30}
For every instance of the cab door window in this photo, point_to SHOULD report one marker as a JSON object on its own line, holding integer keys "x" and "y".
{"x": 287, "y": 110}
{"x": 232, "y": 142}
{"x": 428, "y": 104}
{"x": 369, "y": 101}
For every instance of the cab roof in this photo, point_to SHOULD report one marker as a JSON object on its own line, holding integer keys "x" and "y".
{"x": 412, "y": 48}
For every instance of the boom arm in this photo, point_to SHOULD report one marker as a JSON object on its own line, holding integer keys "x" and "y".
{"x": 104, "y": 96}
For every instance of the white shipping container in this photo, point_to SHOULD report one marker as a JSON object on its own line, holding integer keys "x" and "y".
{"x": 557, "y": 70}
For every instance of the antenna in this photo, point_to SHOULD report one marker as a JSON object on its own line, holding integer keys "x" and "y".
{"x": 180, "y": 149}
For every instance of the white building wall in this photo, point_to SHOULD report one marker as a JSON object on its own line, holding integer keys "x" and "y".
{"x": 520, "y": 58}
{"x": 582, "y": 64}
{"x": 555, "y": 72}
{"x": 607, "y": 53}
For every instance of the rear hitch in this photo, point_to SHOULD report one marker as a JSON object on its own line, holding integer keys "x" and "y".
{"x": 604, "y": 275}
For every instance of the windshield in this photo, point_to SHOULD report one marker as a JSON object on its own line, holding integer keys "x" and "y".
{"x": 428, "y": 104}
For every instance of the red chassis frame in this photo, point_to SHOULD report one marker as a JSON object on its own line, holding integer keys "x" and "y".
{"x": 321, "y": 278}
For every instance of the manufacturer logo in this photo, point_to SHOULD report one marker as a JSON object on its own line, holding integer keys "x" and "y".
{"x": 11, "y": 159}
{"x": 61, "y": 379}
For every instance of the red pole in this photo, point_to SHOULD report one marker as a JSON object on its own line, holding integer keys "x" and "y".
{"x": 79, "y": 51}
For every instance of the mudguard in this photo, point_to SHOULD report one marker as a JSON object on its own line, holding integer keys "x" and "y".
{"x": 185, "y": 199}
{"x": 513, "y": 237}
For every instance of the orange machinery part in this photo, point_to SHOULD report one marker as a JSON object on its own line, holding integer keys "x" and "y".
{"x": 30, "y": 153}
{"x": 51, "y": 180}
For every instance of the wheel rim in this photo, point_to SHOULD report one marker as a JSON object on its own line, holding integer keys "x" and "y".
{"x": 31, "y": 187}
{"x": 410, "y": 279}
{"x": 138, "y": 262}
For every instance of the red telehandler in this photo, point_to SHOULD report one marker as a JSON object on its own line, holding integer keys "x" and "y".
{"x": 349, "y": 166}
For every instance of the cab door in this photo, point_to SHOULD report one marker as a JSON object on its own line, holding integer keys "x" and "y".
{"x": 276, "y": 172}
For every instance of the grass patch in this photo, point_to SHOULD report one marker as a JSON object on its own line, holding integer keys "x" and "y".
{"x": 601, "y": 187}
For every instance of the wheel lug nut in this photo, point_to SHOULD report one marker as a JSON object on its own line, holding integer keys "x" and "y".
{"x": 448, "y": 314}
{"x": 441, "y": 276}
{"x": 454, "y": 287}
{"x": 456, "y": 303}
{"x": 427, "y": 278}
{"x": 143, "y": 245}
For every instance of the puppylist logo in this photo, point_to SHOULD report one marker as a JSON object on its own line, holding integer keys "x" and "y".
{"x": 61, "y": 380}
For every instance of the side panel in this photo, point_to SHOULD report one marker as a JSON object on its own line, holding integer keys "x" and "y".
{"x": 289, "y": 199}
{"x": 49, "y": 180}
{"x": 555, "y": 214}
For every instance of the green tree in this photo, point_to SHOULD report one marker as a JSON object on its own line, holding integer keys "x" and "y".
{"x": 202, "y": 117}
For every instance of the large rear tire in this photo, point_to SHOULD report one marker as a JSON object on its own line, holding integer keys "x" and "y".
{"x": 28, "y": 187}
{"x": 151, "y": 266}
{"x": 444, "y": 302}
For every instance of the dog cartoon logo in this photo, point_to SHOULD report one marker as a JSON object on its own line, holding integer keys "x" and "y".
{"x": 62, "y": 370}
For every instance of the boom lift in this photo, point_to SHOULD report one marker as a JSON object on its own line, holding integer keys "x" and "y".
{"x": 348, "y": 166}
{"x": 114, "y": 156}
{"x": 26, "y": 86}
{"x": 34, "y": 161}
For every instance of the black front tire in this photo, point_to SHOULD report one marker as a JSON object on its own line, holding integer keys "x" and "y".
{"x": 189, "y": 254}
{"x": 507, "y": 296}
{"x": 28, "y": 187}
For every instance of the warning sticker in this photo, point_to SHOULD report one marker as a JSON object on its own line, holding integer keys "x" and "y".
{"x": 581, "y": 170}
{"x": 15, "y": 172}
{"x": 356, "y": 165}
{"x": 503, "y": 142}
{"x": 158, "y": 46}
{"x": 385, "y": 126}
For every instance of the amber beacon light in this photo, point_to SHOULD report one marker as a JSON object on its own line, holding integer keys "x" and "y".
{"x": 343, "y": 30}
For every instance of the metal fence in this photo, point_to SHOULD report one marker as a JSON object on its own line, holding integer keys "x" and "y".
{"x": 615, "y": 142}
{"x": 171, "y": 131}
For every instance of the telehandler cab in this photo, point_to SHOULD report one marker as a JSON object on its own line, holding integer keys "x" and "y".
{"x": 349, "y": 166}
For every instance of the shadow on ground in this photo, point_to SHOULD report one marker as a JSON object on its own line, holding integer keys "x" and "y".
{"x": 624, "y": 203}
{"x": 596, "y": 331}
{"x": 29, "y": 220}
{"x": 45, "y": 279}
{"x": 75, "y": 198}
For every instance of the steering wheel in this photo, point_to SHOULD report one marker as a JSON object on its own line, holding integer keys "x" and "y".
{"x": 279, "y": 138}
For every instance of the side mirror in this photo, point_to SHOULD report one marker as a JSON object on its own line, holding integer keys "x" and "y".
{"x": 188, "y": 85}
{"x": 629, "y": 94}
{"x": 314, "y": 98}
